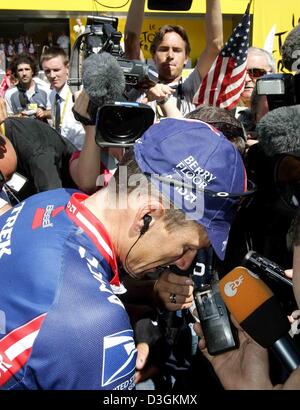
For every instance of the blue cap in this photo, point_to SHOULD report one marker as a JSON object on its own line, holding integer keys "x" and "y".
{"x": 196, "y": 158}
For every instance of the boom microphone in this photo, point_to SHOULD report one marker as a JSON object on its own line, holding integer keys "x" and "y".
{"x": 259, "y": 313}
{"x": 290, "y": 50}
{"x": 278, "y": 131}
{"x": 103, "y": 79}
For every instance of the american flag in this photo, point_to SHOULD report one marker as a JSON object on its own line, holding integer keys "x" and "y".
{"x": 225, "y": 80}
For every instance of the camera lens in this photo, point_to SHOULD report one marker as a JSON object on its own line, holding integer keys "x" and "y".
{"x": 122, "y": 123}
{"x": 123, "y": 126}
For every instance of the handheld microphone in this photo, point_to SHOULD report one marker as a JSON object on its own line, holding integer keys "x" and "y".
{"x": 259, "y": 313}
{"x": 219, "y": 333}
{"x": 264, "y": 267}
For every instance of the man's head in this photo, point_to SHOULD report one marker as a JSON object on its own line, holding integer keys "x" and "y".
{"x": 170, "y": 51}
{"x": 190, "y": 165}
{"x": 55, "y": 64}
{"x": 8, "y": 158}
{"x": 259, "y": 63}
{"x": 224, "y": 121}
{"x": 24, "y": 68}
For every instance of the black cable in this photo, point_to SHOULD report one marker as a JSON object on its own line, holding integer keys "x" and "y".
{"x": 126, "y": 264}
{"x": 110, "y": 7}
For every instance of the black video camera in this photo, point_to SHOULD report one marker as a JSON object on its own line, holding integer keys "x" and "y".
{"x": 122, "y": 122}
{"x": 280, "y": 89}
{"x": 263, "y": 267}
{"x": 100, "y": 36}
{"x": 274, "y": 277}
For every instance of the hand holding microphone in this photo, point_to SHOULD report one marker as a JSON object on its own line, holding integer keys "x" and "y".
{"x": 259, "y": 313}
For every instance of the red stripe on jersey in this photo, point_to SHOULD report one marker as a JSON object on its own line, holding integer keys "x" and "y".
{"x": 15, "y": 348}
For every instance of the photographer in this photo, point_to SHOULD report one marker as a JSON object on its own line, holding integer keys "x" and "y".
{"x": 170, "y": 51}
{"x": 78, "y": 241}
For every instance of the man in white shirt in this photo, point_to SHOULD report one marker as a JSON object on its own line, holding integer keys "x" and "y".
{"x": 63, "y": 41}
{"x": 55, "y": 64}
{"x": 28, "y": 97}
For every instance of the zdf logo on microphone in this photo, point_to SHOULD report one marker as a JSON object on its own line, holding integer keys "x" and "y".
{"x": 230, "y": 288}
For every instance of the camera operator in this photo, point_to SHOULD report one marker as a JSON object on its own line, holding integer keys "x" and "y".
{"x": 170, "y": 51}
{"x": 247, "y": 368}
{"x": 79, "y": 241}
{"x": 27, "y": 97}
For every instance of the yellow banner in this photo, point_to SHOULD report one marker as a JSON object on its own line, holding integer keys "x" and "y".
{"x": 273, "y": 19}
{"x": 115, "y": 6}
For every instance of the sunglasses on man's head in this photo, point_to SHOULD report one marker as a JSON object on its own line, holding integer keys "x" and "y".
{"x": 256, "y": 72}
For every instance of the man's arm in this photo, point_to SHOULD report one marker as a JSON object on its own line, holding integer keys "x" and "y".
{"x": 213, "y": 36}
{"x": 133, "y": 28}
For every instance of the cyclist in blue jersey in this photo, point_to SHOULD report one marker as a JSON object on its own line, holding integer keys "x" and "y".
{"x": 62, "y": 324}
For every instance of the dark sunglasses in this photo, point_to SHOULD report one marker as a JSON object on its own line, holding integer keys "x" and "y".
{"x": 256, "y": 72}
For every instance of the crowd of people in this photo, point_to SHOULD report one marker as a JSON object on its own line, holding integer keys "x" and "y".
{"x": 96, "y": 244}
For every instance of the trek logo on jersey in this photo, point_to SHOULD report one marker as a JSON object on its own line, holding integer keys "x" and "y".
{"x": 42, "y": 216}
{"x": 7, "y": 230}
{"x": 119, "y": 356}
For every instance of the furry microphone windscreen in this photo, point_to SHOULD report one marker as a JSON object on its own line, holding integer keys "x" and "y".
{"x": 103, "y": 79}
{"x": 290, "y": 50}
{"x": 279, "y": 130}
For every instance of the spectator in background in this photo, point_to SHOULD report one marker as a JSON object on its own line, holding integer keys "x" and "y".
{"x": 259, "y": 63}
{"x": 79, "y": 27}
{"x": 55, "y": 64}
{"x": 27, "y": 97}
{"x": 170, "y": 51}
{"x": 63, "y": 42}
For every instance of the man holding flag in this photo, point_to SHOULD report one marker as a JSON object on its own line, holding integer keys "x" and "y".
{"x": 224, "y": 83}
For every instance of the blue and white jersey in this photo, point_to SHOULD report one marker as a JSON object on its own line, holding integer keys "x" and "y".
{"x": 61, "y": 324}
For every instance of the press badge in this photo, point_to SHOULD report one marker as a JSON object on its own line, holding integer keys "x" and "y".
{"x": 16, "y": 182}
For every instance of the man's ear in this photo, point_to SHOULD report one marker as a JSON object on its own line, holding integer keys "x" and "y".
{"x": 146, "y": 216}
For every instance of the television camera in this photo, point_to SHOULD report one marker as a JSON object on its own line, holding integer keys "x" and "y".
{"x": 122, "y": 121}
{"x": 281, "y": 89}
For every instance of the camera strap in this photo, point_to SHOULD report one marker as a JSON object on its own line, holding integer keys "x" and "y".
{"x": 179, "y": 93}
